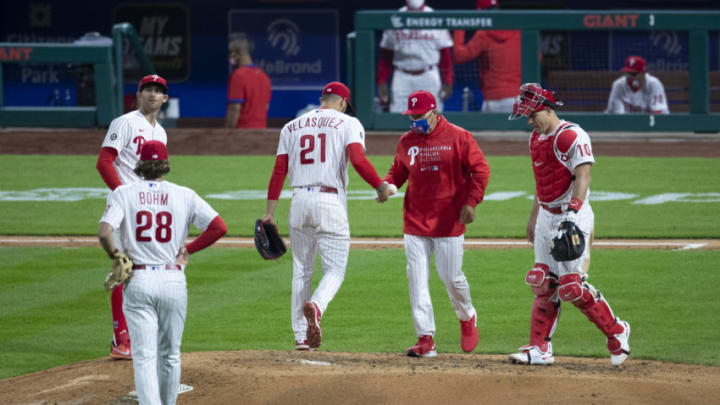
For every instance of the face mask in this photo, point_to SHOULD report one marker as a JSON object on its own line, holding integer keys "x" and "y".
{"x": 415, "y": 4}
{"x": 420, "y": 126}
{"x": 633, "y": 83}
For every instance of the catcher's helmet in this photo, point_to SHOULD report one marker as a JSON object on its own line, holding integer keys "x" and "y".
{"x": 532, "y": 98}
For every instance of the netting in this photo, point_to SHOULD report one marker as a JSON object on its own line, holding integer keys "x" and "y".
{"x": 581, "y": 66}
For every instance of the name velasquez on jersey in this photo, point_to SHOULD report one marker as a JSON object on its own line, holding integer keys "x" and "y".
{"x": 153, "y": 218}
{"x": 315, "y": 144}
{"x": 126, "y": 135}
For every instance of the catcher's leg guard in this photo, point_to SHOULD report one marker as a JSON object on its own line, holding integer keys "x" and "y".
{"x": 590, "y": 302}
{"x": 546, "y": 307}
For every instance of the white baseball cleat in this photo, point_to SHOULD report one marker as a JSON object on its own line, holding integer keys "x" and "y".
{"x": 533, "y": 355}
{"x": 623, "y": 352}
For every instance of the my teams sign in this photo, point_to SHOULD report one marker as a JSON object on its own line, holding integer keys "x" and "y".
{"x": 164, "y": 30}
{"x": 298, "y": 49}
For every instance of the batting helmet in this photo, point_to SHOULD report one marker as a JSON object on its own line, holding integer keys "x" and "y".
{"x": 532, "y": 98}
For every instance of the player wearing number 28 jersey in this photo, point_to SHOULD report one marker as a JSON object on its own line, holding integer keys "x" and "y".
{"x": 153, "y": 216}
{"x": 314, "y": 150}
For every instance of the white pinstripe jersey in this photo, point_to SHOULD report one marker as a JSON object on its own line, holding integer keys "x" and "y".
{"x": 315, "y": 144}
{"x": 126, "y": 135}
{"x": 153, "y": 218}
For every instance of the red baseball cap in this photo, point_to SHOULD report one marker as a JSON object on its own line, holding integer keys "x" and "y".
{"x": 153, "y": 79}
{"x": 338, "y": 89}
{"x": 153, "y": 150}
{"x": 483, "y": 4}
{"x": 634, "y": 64}
{"x": 420, "y": 102}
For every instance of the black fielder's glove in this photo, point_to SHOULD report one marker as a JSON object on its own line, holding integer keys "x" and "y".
{"x": 569, "y": 243}
{"x": 268, "y": 241}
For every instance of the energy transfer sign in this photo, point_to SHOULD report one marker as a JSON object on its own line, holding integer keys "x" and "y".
{"x": 298, "y": 49}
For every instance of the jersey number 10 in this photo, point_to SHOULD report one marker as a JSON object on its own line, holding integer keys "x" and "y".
{"x": 307, "y": 145}
{"x": 163, "y": 232}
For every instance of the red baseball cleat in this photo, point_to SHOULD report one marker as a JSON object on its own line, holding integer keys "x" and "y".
{"x": 425, "y": 347}
{"x": 314, "y": 331}
{"x": 469, "y": 334}
{"x": 120, "y": 352}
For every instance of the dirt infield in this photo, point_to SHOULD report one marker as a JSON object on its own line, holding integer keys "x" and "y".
{"x": 217, "y": 141}
{"x": 289, "y": 377}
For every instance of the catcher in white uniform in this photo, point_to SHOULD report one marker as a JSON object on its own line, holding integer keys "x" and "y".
{"x": 637, "y": 91}
{"x": 153, "y": 217}
{"x": 562, "y": 157}
{"x": 314, "y": 150}
{"x": 418, "y": 59}
{"x": 119, "y": 154}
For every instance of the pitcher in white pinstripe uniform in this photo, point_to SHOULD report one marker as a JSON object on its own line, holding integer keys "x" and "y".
{"x": 313, "y": 151}
{"x": 447, "y": 175}
{"x": 153, "y": 217}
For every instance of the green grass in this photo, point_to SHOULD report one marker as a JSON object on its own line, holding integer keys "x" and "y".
{"x": 53, "y": 310}
{"x": 643, "y": 177}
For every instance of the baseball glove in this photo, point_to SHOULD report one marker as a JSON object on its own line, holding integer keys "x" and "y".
{"x": 569, "y": 244}
{"x": 120, "y": 272}
{"x": 268, "y": 241}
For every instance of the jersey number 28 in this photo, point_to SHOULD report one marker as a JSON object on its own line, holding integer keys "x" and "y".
{"x": 163, "y": 232}
{"x": 307, "y": 145}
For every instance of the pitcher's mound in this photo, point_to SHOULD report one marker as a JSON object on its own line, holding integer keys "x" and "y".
{"x": 278, "y": 377}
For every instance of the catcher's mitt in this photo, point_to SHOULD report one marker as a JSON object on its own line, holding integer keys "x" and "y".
{"x": 569, "y": 244}
{"x": 120, "y": 272}
{"x": 268, "y": 241}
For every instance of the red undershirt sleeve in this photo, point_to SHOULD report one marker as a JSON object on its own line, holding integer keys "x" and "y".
{"x": 384, "y": 66}
{"x": 214, "y": 231}
{"x": 446, "y": 66}
{"x": 363, "y": 166}
{"x": 278, "y": 177}
{"x": 106, "y": 169}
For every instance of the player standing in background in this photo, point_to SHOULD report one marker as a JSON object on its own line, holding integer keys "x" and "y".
{"x": 153, "y": 217}
{"x": 499, "y": 62}
{"x": 417, "y": 59}
{"x": 249, "y": 90}
{"x": 637, "y": 91}
{"x": 314, "y": 150}
{"x": 447, "y": 175}
{"x": 119, "y": 154}
{"x": 562, "y": 157}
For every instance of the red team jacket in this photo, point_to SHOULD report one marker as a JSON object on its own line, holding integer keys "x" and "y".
{"x": 445, "y": 170}
{"x": 498, "y": 54}
{"x": 250, "y": 86}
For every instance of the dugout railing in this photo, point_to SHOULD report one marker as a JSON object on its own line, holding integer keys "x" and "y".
{"x": 107, "y": 63}
{"x": 362, "y": 62}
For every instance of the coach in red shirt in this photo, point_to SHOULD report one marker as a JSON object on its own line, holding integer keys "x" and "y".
{"x": 249, "y": 90}
{"x": 447, "y": 175}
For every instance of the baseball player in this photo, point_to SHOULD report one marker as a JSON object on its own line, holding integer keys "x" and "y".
{"x": 562, "y": 157}
{"x": 249, "y": 90}
{"x": 416, "y": 59}
{"x": 314, "y": 150}
{"x": 447, "y": 175}
{"x": 637, "y": 91}
{"x": 499, "y": 63}
{"x": 119, "y": 154}
{"x": 152, "y": 217}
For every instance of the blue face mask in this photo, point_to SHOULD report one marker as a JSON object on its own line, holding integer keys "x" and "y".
{"x": 419, "y": 126}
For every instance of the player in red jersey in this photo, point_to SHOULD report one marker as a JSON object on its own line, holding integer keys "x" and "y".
{"x": 447, "y": 175}
{"x": 249, "y": 90}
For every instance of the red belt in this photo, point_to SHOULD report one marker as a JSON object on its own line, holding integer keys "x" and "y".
{"x": 552, "y": 210}
{"x": 416, "y": 72}
{"x": 323, "y": 189}
{"x": 149, "y": 267}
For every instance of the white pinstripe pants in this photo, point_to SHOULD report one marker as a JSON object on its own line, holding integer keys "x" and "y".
{"x": 448, "y": 261}
{"x": 546, "y": 229}
{"x": 155, "y": 305}
{"x": 318, "y": 223}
